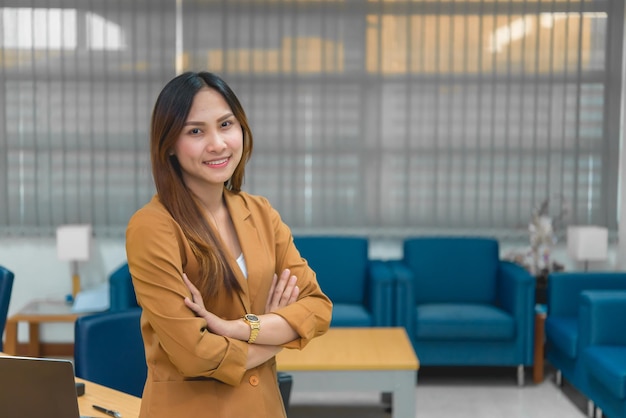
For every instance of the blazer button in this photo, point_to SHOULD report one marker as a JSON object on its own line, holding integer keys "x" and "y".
{"x": 254, "y": 380}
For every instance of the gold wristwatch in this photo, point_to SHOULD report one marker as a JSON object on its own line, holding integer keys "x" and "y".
{"x": 255, "y": 326}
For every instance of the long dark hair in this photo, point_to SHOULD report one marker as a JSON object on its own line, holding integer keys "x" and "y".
{"x": 168, "y": 117}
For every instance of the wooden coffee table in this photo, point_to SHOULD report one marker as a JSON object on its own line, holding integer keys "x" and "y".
{"x": 357, "y": 359}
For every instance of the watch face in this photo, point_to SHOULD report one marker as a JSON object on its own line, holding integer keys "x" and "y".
{"x": 252, "y": 317}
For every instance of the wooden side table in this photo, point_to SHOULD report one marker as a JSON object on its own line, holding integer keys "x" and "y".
{"x": 540, "y": 326}
{"x": 35, "y": 313}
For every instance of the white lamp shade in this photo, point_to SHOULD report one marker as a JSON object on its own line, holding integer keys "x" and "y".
{"x": 73, "y": 242}
{"x": 587, "y": 243}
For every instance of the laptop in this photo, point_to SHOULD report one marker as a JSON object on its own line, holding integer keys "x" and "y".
{"x": 37, "y": 387}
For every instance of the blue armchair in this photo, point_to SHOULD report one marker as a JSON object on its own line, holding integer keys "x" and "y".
{"x": 361, "y": 289}
{"x": 108, "y": 350}
{"x": 564, "y": 335}
{"x": 603, "y": 342}
{"x": 462, "y": 305}
{"x": 121, "y": 290}
{"x": 6, "y": 287}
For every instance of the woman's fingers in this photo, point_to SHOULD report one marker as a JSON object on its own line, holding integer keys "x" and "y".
{"x": 294, "y": 295}
{"x": 281, "y": 284}
{"x": 193, "y": 306}
{"x": 196, "y": 303}
{"x": 195, "y": 293}
{"x": 270, "y": 295}
{"x": 288, "y": 291}
{"x": 284, "y": 292}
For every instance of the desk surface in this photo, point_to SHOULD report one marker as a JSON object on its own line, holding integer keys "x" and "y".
{"x": 353, "y": 349}
{"x": 95, "y": 394}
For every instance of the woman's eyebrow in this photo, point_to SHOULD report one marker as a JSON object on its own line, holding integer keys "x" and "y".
{"x": 226, "y": 116}
{"x": 198, "y": 123}
{"x": 193, "y": 123}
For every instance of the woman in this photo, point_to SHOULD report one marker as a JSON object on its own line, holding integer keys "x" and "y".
{"x": 202, "y": 242}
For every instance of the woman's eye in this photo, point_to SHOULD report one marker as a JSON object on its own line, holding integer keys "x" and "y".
{"x": 226, "y": 123}
{"x": 195, "y": 131}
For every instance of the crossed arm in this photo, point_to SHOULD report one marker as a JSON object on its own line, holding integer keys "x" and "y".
{"x": 275, "y": 330}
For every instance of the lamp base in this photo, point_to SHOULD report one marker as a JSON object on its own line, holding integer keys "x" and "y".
{"x": 75, "y": 285}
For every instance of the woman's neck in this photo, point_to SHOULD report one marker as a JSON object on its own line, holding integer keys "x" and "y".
{"x": 212, "y": 200}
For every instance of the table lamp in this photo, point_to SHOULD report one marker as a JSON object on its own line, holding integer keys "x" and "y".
{"x": 73, "y": 244}
{"x": 587, "y": 243}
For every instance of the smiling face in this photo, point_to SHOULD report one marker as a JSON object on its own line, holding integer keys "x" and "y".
{"x": 210, "y": 146}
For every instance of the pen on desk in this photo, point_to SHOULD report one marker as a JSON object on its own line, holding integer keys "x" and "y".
{"x": 107, "y": 411}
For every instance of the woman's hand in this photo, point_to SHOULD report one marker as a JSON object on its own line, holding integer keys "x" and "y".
{"x": 214, "y": 323}
{"x": 283, "y": 291}
{"x": 196, "y": 304}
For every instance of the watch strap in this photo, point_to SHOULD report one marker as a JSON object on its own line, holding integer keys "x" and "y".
{"x": 255, "y": 326}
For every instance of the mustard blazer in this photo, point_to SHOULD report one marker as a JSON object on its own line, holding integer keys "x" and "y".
{"x": 192, "y": 372}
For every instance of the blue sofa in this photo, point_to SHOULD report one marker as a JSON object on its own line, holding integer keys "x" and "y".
{"x": 361, "y": 289}
{"x": 564, "y": 335}
{"x": 463, "y": 306}
{"x": 603, "y": 357}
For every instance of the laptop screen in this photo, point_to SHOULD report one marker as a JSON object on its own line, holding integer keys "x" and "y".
{"x": 36, "y": 387}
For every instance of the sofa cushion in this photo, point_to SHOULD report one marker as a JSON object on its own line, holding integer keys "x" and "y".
{"x": 454, "y": 321}
{"x": 562, "y": 332}
{"x": 346, "y": 315}
{"x": 608, "y": 365}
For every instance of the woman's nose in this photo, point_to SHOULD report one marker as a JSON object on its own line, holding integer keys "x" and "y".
{"x": 215, "y": 142}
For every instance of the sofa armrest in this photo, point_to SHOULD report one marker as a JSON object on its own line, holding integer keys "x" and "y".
{"x": 564, "y": 289}
{"x": 601, "y": 318}
{"x": 404, "y": 313}
{"x": 516, "y": 288}
{"x": 516, "y": 295}
{"x": 381, "y": 292}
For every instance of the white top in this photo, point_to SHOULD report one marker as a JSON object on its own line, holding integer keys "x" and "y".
{"x": 242, "y": 265}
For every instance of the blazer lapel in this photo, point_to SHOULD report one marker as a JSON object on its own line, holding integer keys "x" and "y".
{"x": 250, "y": 246}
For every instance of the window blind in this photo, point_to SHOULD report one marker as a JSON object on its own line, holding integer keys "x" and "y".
{"x": 384, "y": 118}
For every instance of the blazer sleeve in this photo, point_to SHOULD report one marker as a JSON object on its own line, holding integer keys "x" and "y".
{"x": 157, "y": 252}
{"x": 310, "y": 315}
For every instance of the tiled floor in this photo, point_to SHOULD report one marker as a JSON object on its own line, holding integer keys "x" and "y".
{"x": 455, "y": 393}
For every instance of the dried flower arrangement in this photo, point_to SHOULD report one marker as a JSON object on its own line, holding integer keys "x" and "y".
{"x": 542, "y": 229}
